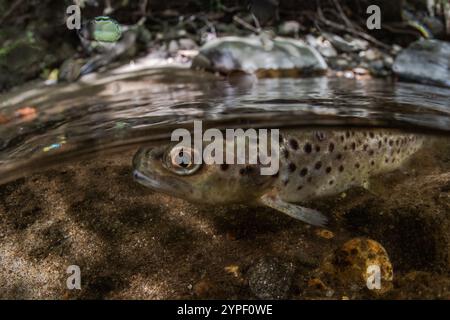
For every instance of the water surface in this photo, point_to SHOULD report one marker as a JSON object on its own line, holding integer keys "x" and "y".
{"x": 119, "y": 110}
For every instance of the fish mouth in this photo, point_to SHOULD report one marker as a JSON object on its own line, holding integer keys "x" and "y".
{"x": 175, "y": 188}
{"x": 146, "y": 181}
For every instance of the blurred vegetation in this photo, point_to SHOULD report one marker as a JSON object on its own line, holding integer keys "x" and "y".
{"x": 34, "y": 39}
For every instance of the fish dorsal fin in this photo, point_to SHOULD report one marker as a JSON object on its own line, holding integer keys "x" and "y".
{"x": 307, "y": 215}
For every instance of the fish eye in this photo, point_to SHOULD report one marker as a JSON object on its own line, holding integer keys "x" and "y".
{"x": 180, "y": 160}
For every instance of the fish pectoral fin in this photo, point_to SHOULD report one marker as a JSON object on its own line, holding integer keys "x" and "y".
{"x": 307, "y": 215}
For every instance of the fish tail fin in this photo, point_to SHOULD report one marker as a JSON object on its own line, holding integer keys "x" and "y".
{"x": 307, "y": 215}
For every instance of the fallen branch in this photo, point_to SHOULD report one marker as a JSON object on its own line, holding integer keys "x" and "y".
{"x": 320, "y": 16}
{"x": 245, "y": 24}
{"x": 13, "y": 7}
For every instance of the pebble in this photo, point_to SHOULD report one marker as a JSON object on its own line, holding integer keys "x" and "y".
{"x": 324, "y": 233}
{"x": 316, "y": 283}
{"x": 360, "y": 44}
{"x": 233, "y": 270}
{"x": 361, "y": 71}
{"x": 187, "y": 44}
{"x": 3, "y": 119}
{"x": 340, "y": 43}
{"x": 370, "y": 54}
{"x": 173, "y": 46}
{"x": 350, "y": 265}
{"x": 388, "y": 62}
{"x": 322, "y": 45}
{"x": 396, "y": 49}
{"x": 289, "y": 28}
{"x": 203, "y": 288}
{"x": 342, "y": 63}
{"x": 270, "y": 278}
{"x": 377, "y": 68}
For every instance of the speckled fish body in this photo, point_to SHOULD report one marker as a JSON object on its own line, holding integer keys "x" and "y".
{"x": 313, "y": 164}
{"x": 321, "y": 163}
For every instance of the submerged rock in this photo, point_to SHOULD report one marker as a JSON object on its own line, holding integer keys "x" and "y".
{"x": 425, "y": 61}
{"x": 356, "y": 263}
{"x": 270, "y": 278}
{"x": 276, "y": 58}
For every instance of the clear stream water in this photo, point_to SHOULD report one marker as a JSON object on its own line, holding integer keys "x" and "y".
{"x": 120, "y": 110}
{"x": 92, "y": 213}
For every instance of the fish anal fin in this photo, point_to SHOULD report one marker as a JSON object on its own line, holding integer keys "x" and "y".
{"x": 307, "y": 215}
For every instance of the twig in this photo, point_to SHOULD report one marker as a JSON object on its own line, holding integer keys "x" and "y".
{"x": 245, "y": 24}
{"x": 342, "y": 14}
{"x": 361, "y": 34}
{"x": 108, "y": 7}
{"x": 143, "y": 7}
{"x": 398, "y": 30}
{"x": 229, "y": 10}
{"x": 13, "y": 7}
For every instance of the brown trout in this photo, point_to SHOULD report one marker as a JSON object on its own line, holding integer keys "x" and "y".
{"x": 312, "y": 164}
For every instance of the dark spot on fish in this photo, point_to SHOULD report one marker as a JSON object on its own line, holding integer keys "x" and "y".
{"x": 339, "y": 156}
{"x": 328, "y": 170}
{"x": 331, "y": 147}
{"x": 299, "y": 187}
{"x": 353, "y": 146}
{"x": 379, "y": 144}
{"x": 307, "y": 148}
{"x": 309, "y": 179}
{"x": 386, "y": 160}
{"x": 317, "y": 148}
{"x": 331, "y": 182}
{"x": 342, "y": 138}
{"x": 391, "y": 143}
{"x": 341, "y": 168}
{"x": 371, "y": 134}
{"x": 371, "y": 152}
{"x": 365, "y": 147}
{"x": 372, "y": 163}
{"x": 347, "y": 134}
{"x": 294, "y": 144}
{"x": 224, "y": 167}
{"x": 246, "y": 170}
{"x": 320, "y": 135}
{"x": 385, "y": 139}
{"x": 345, "y": 147}
{"x": 318, "y": 165}
{"x": 357, "y": 165}
{"x": 292, "y": 167}
{"x": 304, "y": 172}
